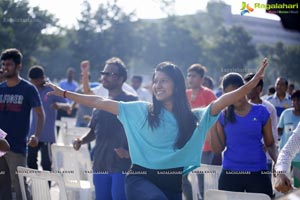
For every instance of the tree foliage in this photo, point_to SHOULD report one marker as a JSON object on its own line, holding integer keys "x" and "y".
{"x": 110, "y": 31}
{"x": 232, "y": 49}
{"x": 284, "y": 60}
{"x": 21, "y": 27}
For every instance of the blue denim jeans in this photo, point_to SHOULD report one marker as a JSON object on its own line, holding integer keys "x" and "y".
{"x": 138, "y": 187}
{"x": 109, "y": 186}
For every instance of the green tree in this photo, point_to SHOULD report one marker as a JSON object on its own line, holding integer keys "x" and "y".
{"x": 54, "y": 55}
{"x": 178, "y": 45}
{"x": 21, "y": 27}
{"x": 284, "y": 60}
{"x": 103, "y": 34}
{"x": 232, "y": 49}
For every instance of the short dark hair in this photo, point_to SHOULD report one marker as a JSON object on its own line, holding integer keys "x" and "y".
{"x": 198, "y": 68}
{"x": 137, "y": 77}
{"x": 250, "y": 75}
{"x": 209, "y": 81}
{"x": 284, "y": 79}
{"x": 13, "y": 54}
{"x": 292, "y": 85}
{"x": 120, "y": 65}
{"x": 296, "y": 95}
{"x": 271, "y": 90}
{"x": 36, "y": 71}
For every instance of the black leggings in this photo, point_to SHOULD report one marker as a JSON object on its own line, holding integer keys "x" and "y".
{"x": 238, "y": 181}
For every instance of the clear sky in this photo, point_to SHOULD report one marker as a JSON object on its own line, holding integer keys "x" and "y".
{"x": 67, "y": 11}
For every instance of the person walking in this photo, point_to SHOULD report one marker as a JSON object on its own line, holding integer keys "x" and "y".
{"x": 17, "y": 98}
{"x": 51, "y": 104}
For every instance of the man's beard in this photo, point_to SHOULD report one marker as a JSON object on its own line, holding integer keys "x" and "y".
{"x": 9, "y": 75}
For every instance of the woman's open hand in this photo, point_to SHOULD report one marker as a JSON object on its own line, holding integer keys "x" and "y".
{"x": 57, "y": 91}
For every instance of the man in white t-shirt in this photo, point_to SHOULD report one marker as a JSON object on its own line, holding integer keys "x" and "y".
{"x": 254, "y": 97}
{"x": 101, "y": 91}
{"x": 143, "y": 93}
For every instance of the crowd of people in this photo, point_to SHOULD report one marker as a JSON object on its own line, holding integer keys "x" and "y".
{"x": 151, "y": 134}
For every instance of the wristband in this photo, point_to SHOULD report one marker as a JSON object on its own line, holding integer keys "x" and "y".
{"x": 64, "y": 94}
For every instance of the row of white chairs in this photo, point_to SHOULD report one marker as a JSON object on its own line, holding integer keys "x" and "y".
{"x": 40, "y": 188}
{"x": 39, "y": 183}
{"x": 71, "y": 169}
{"x": 72, "y": 173}
{"x": 76, "y": 170}
{"x": 68, "y": 131}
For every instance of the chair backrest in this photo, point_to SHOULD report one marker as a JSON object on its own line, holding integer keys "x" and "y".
{"x": 71, "y": 121}
{"x": 73, "y": 165}
{"x": 211, "y": 175}
{"x": 61, "y": 128}
{"x": 211, "y": 178}
{"x": 228, "y": 195}
{"x": 40, "y": 183}
{"x": 292, "y": 195}
{"x": 71, "y": 133}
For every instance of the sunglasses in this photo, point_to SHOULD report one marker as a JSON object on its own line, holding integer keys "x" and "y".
{"x": 109, "y": 74}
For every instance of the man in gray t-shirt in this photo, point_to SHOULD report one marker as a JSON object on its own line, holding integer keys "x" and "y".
{"x": 111, "y": 158}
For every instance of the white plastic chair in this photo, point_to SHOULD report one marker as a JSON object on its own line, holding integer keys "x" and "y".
{"x": 293, "y": 195}
{"x": 71, "y": 121}
{"x": 71, "y": 133}
{"x": 211, "y": 178}
{"x": 61, "y": 127}
{"x": 228, "y": 195}
{"x": 75, "y": 167}
{"x": 40, "y": 183}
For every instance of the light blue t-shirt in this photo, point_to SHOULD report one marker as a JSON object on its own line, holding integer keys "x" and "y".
{"x": 154, "y": 149}
{"x": 288, "y": 122}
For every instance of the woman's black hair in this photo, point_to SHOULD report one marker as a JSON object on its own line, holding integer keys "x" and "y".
{"x": 235, "y": 80}
{"x": 295, "y": 95}
{"x": 186, "y": 120}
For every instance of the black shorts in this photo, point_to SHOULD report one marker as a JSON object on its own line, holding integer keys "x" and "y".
{"x": 245, "y": 181}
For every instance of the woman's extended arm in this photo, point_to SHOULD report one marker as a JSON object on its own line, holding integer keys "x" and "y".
{"x": 231, "y": 97}
{"x": 87, "y": 100}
